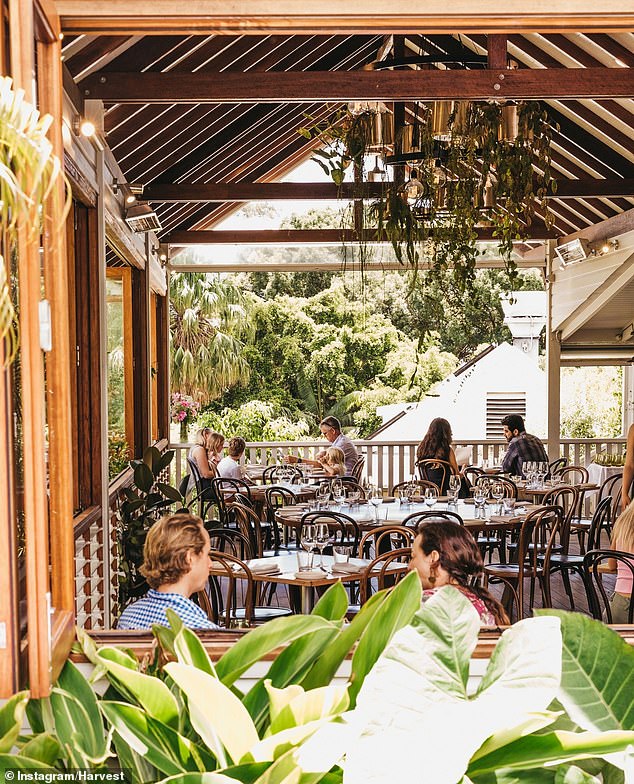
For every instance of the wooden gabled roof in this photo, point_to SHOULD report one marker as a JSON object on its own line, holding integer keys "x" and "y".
{"x": 191, "y": 132}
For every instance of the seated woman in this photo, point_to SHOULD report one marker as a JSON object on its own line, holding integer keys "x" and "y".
{"x": 436, "y": 445}
{"x": 203, "y": 453}
{"x": 623, "y": 540}
{"x": 445, "y": 553}
{"x": 333, "y": 462}
{"x": 176, "y": 565}
{"x": 215, "y": 447}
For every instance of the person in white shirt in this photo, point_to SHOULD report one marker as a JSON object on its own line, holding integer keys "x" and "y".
{"x": 229, "y": 467}
{"x": 330, "y": 428}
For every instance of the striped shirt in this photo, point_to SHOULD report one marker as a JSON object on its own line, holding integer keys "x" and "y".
{"x": 151, "y": 609}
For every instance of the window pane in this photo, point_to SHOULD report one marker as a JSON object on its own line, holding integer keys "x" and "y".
{"x": 117, "y": 446}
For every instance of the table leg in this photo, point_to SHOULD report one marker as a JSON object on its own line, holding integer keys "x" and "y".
{"x": 307, "y": 599}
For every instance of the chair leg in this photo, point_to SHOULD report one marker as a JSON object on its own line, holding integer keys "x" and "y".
{"x": 565, "y": 576}
{"x": 544, "y": 582}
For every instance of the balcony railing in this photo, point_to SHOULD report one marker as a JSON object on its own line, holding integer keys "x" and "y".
{"x": 386, "y": 464}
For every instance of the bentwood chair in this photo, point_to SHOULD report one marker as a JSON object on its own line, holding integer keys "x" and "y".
{"x": 271, "y": 474}
{"x": 430, "y": 516}
{"x": 223, "y": 490}
{"x": 566, "y": 562}
{"x": 557, "y": 465}
{"x": 231, "y": 598}
{"x": 610, "y": 488}
{"x": 357, "y": 469}
{"x": 377, "y": 574}
{"x": 436, "y": 471}
{"x": 344, "y": 529}
{"x": 204, "y": 493}
{"x": 385, "y": 538}
{"x": 594, "y": 563}
{"x": 536, "y": 538}
{"x": 276, "y": 498}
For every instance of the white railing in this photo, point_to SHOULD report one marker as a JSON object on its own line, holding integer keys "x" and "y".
{"x": 386, "y": 464}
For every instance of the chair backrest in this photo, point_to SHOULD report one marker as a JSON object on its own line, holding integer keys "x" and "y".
{"x": 414, "y": 519}
{"x": 573, "y": 475}
{"x": 245, "y": 500}
{"x": 601, "y": 520}
{"x": 349, "y": 483}
{"x": 277, "y": 497}
{"x": 377, "y": 572}
{"x": 204, "y": 495}
{"x": 598, "y": 595}
{"x": 248, "y": 523}
{"x": 566, "y": 496}
{"x": 607, "y": 489}
{"x": 232, "y": 541}
{"x": 270, "y": 475}
{"x": 421, "y": 486}
{"x": 436, "y": 471}
{"x": 224, "y": 489}
{"x": 537, "y": 536}
{"x": 222, "y": 597}
{"x": 357, "y": 469}
{"x": 346, "y": 530}
{"x": 384, "y": 538}
{"x": 510, "y": 488}
{"x": 471, "y": 473}
{"x": 557, "y": 465}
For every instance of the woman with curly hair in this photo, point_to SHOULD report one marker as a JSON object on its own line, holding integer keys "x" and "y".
{"x": 445, "y": 553}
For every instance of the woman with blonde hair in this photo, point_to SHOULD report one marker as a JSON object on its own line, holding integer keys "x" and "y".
{"x": 206, "y": 452}
{"x": 623, "y": 540}
{"x": 333, "y": 462}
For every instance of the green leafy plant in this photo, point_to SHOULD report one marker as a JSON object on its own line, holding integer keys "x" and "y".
{"x": 553, "y": 707}
{"x": 143, "y": 504}
{"x": 118, "y": 458}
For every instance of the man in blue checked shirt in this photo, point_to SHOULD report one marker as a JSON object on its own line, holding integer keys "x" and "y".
{"x": 176, "y": 565}
{"x": 522, "y": 446}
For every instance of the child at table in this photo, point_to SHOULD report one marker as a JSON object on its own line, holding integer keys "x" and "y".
{"x": 333, "y": 462}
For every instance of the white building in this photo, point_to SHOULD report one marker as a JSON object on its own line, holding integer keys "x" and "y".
{"x": 501, "y": 380}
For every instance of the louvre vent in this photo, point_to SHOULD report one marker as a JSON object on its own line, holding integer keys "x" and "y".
{"x": 498, "y": 406}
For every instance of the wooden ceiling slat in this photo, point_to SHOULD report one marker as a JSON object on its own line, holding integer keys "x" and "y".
{"x": 87, "y": 57}
{"x": 613, "y": 47}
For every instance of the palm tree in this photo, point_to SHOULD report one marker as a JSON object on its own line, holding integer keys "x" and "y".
{"x": 208, "y": 323}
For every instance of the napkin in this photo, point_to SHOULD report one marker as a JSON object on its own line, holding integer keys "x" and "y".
{"x": 313, "y": 574}
{"x": 346, "y": 568}
{"x": 261, "y": 568}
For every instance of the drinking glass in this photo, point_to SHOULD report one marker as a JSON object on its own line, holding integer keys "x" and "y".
{"x": 337, "y": 491}
{"x": 431, "y": 496}
{"x": 497, "y": 491}
{"x": 323, "y": 492}
{"x": 307, "y": 538}
{"x": 480, "y": 496}
{"x": 353, "y": 496}
{"x": 322, "y": 539}
{"x": 375, "y": 498}
{"x": 454, "y": 488}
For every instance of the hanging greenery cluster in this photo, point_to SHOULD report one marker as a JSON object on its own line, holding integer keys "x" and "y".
{"x": 489, "y": 166}
{"x": 28, "y": 173}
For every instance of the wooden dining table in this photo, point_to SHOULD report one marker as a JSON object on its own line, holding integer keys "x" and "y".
{"x": 535, "y": 494}
{"x": 288, "y": 574}
{"x": 394, "y": 513}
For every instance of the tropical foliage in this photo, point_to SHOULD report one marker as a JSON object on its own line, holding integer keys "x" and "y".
{"x": 209, "y": 320}
{"x": 544, "y": 711}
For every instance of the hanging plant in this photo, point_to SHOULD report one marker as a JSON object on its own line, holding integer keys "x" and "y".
{"x": 491, "y": 165}
{"x": 29, "y": 172}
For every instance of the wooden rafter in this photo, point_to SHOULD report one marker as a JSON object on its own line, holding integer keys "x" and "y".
{"x": 318, "y": 86}
{"x": 319, "y": 191}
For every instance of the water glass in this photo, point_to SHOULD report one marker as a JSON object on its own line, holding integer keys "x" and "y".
{"x": 454, "y": 488}
{"x": 353, "y": 497}
{"x": 307, "y": 538}
{"x": 322, "y": 539}
{"x": 341, "y": 554}
{"x": 508, "y": 505}
{"x": 304, "y": 560}
{"x": 497, "y": 491}
{"x": 375, "y": 498}
{"x": 479, "y": 498}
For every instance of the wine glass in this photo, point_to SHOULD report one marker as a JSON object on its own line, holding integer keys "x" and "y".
{"x": 353, "y": 496}
{"x": 497, "y": 491}
{"x": 375, "y": 498}
{"x": 322, "y": 539}
{"x": 431, "y": 496}
{"x": 308, "y": 538}
{"x": 454, "y": 488}
{"x": 323, "y": 492}
{"x": 480, "y": 495}
{"x": 337, "y": 491}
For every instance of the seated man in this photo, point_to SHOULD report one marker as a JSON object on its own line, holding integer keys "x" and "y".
{"x": 331, "y": 430}
{"x": 522, "y": 446}
{"x": 176, "y": 565}
{"x": 229, "y": 467}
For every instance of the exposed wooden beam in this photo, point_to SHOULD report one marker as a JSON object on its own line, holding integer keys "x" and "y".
{"x": 320, "y": 191}
{"x": 496, "y": 51}
{"x": 346, "y": 16}
{"x": 300, "y": 236}
{"x": 326, "y": 86}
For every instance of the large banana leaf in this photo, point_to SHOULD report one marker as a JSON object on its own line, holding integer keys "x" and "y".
{"x": 216, "y": 713}
{"x": 160, "y": 745}
{"x": 75, "y": 732}
{"x": 11, "y": 718}
{"x": 187, "y": 645}
{"x": 265, "y": 639}
{"x": 333, "y": 605}
{"x": 44, "y": 748}
{"x": 597, "y": 680}
{"x": 307, "y": 706}
{"x": 93, "y": 736}
{"x": 393, "y": 614}
{"x": 17, "y": 762}
{"x": 414, "y": 696}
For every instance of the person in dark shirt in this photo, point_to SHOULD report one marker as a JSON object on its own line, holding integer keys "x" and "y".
{"x": 522, "y": 446}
